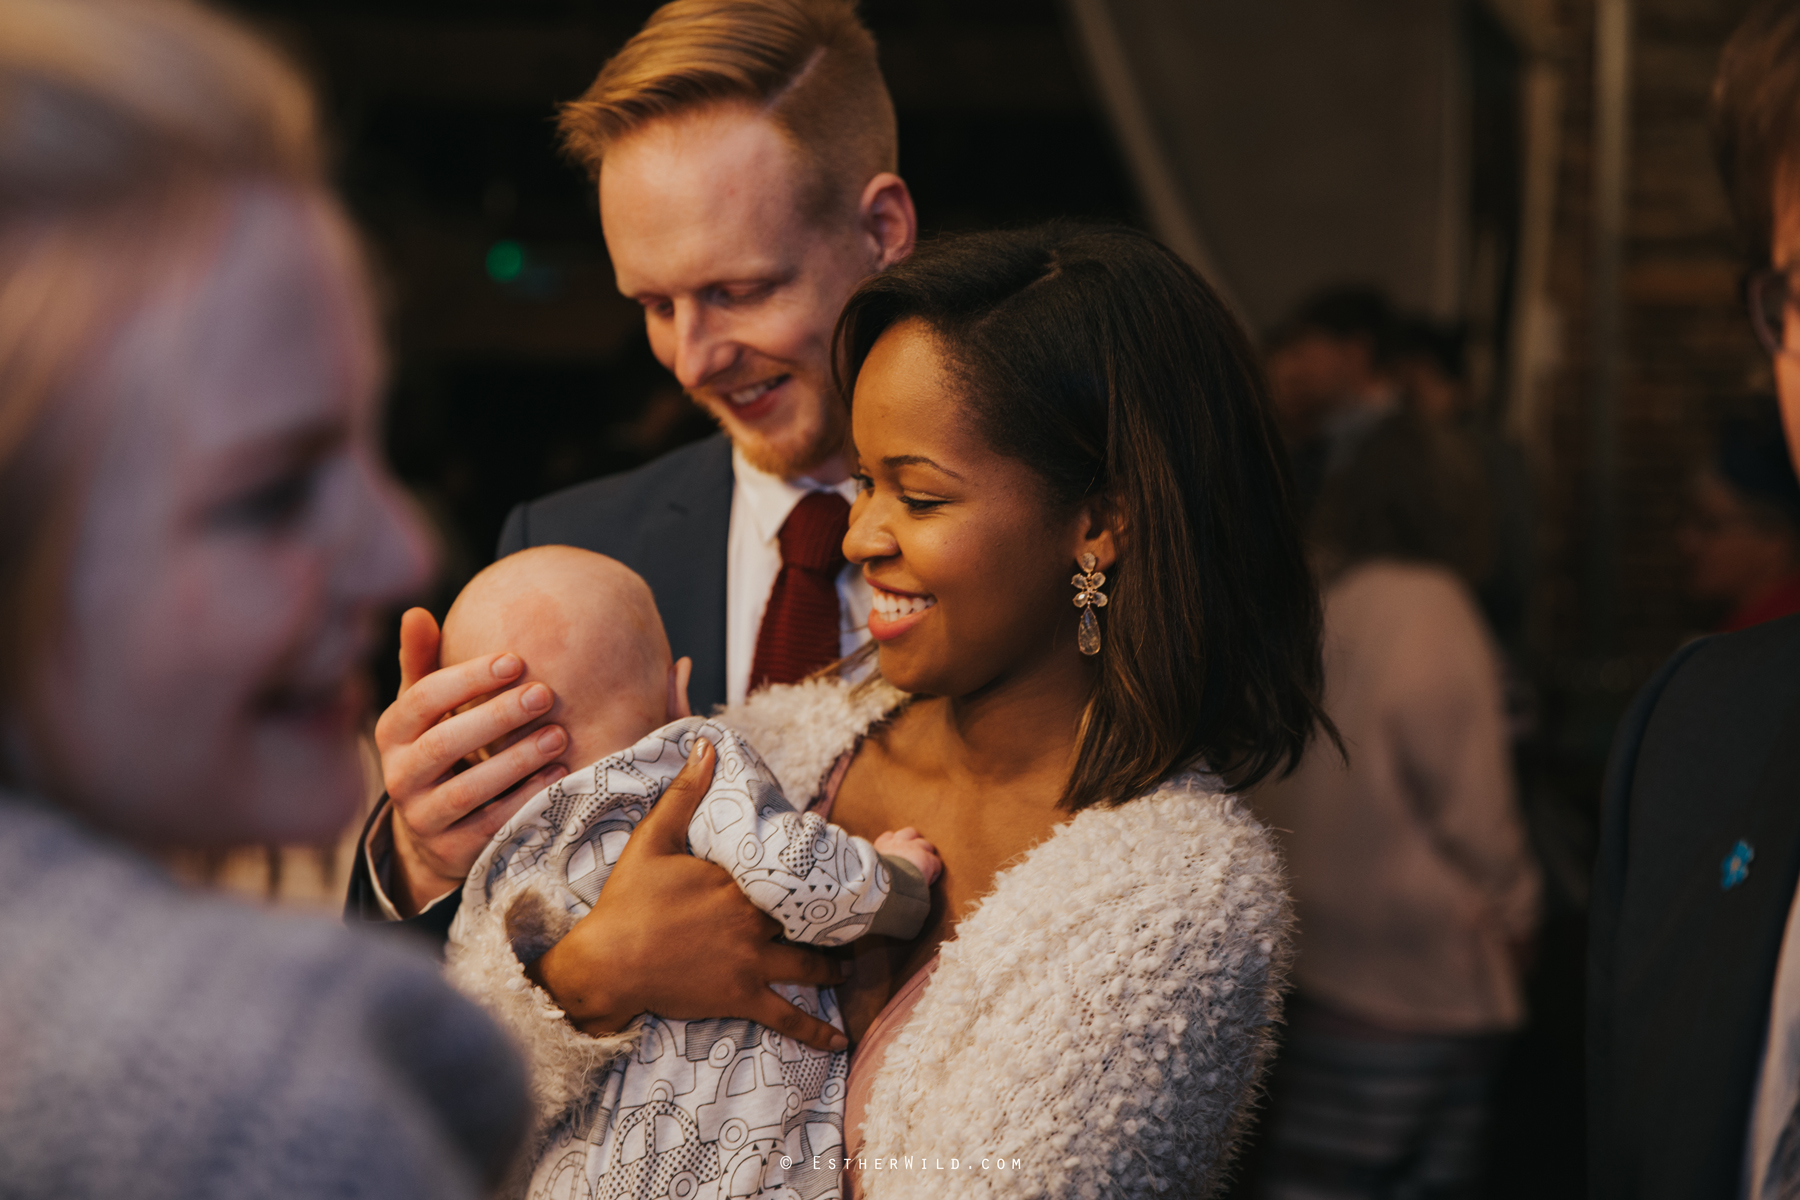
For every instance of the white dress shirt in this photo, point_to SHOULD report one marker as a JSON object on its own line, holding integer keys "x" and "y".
{"x": 760, "y": 504}
{"x": 1778, "y": 1078}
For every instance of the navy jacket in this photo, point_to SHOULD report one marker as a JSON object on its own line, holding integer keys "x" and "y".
{"x": 667, "y": 520}
{"x": 1681, "y": 966}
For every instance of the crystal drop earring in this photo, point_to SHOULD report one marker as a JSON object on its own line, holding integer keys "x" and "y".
{"x": 1088, "y": 597}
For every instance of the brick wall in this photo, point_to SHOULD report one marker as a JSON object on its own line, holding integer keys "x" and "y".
{"x": 1689, "y": 355}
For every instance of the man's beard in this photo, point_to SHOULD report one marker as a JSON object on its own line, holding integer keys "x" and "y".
{"x": 798, "y": 451}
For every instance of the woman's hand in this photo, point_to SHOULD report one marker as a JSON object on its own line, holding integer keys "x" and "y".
{"x": 442, "y": 816}
{"x": 674, "y": 935}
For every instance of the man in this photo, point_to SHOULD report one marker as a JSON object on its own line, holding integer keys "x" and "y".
{"x": 1694, "y": 971}
{"x": 1741, "y": 538}
{"x": 744, "y": 152}
{"x": 1430, "y": 365}
{"x": 1331, "y": 380}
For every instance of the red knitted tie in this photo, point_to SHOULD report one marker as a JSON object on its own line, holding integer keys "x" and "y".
{"x": 800, "y": 629}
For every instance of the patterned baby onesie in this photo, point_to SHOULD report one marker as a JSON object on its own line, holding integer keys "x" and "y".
{"x": 700, "y": 1110}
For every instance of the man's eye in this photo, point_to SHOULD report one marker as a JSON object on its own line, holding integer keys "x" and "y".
{"x": 271, "y": 506}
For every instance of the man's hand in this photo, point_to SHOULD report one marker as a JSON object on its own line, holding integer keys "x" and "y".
{"x": 674, "y": 935}
{"x": 443, "y": 815}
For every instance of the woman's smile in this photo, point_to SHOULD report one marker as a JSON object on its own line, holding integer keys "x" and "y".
{"x": 325, "y": 711}
{"x": 893, "y": 613}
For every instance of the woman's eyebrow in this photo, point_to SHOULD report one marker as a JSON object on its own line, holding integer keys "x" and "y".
{"x": 304, "y": 444}
{"x": 917, "y": 460}
{"x": 289, "y": 449}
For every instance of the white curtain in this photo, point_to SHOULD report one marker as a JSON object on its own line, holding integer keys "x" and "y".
{"x": 1286, "y": 145}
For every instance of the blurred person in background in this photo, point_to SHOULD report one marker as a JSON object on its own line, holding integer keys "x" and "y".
{"x": 1431, "y": 368}
{"x": 1414, "y": 887}
{"x": 1430, "y": 363}
{"x": 1331, "y": 380}
{"x": 196, "y": 539}
{"x": 1742, "y": 537}
{"x": 1694, "y": 948}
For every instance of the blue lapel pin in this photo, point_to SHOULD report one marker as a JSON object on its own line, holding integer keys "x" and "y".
{"x": 1736, "y": 867}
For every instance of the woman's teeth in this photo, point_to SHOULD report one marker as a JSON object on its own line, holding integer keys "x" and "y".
{"x": 892, "y": 607}
{"x": 752, "y": 393}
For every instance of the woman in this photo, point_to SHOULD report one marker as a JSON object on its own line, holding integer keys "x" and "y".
{"x": 1741, "y": 537}
{"x": 1089, "y": 1007}
{"x": 1414, "y": 886}
{"x": 195, "y": 539}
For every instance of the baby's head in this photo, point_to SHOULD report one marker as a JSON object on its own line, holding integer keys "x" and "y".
{"x": 586, "y": 626}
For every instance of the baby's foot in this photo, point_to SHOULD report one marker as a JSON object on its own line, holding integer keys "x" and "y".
{"x": 906, "y": 843}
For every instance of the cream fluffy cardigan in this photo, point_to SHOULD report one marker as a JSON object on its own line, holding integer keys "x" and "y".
{"x": 1101, "y": 1018}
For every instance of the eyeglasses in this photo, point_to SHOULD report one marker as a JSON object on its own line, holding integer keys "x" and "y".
{"x": 1772, "y": 299}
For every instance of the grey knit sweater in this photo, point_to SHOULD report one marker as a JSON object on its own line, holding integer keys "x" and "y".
{"x": 156, "y": 1043}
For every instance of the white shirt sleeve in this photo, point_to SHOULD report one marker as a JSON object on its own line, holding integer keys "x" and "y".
{"x": 378, "y": 855}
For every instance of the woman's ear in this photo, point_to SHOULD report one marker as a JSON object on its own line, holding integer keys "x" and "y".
{"x": 1100, "y": 531}
{"x": 679, "y": 671}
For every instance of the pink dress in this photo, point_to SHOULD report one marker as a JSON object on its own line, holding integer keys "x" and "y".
{"x": 867, "y": 1055}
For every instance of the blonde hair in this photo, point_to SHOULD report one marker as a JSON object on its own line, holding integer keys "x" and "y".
{"x": 808, "y": 65}
{"x": 123, "y": 125}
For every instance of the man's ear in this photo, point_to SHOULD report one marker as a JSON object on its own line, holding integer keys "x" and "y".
{"x": 679, "y": 670}
{"x": 887, "y": 219}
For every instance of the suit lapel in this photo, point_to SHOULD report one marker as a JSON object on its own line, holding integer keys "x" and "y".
{"x": 682, "y": 553}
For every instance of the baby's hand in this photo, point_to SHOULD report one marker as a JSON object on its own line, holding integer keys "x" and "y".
{"x": 906, "y": 843}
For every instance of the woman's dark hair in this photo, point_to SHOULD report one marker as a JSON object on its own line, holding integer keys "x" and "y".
{"x": 1756, "y": 115}
{"x": 1411, "y": 491}
{"x": 1107, "y": 366}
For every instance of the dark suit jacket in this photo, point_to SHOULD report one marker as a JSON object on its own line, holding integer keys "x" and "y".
{"x": 1680, "y": 968}
{"x": 668, "y": 521}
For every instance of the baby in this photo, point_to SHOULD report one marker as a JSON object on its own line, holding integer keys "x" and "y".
{"x": 699, "y": 1108}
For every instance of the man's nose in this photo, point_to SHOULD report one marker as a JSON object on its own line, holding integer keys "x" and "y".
{"x": 704, "y": 348}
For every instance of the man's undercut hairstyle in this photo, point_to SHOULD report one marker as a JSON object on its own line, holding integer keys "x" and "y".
{"x": 1110, "y": 368}
{"x": 1756, "y": 117}
{"x": 810, "y": 66}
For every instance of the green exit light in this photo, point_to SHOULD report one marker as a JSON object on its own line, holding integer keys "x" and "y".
{"x": 505, "y": 261}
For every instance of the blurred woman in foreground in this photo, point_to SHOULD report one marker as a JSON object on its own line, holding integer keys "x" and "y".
{"x": 195, "y": 535}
